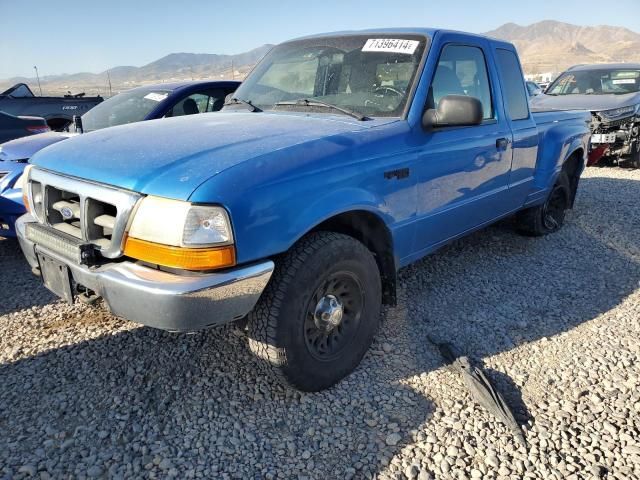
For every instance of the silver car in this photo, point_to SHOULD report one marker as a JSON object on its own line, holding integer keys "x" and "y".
{"x": 611, "y": 92}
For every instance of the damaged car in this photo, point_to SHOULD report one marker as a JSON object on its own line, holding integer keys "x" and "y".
{"x": 611, "y": 92}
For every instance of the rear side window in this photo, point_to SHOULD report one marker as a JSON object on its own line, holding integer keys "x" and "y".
{"x": 462, "y": 70}
{"x": 513, "y": 84}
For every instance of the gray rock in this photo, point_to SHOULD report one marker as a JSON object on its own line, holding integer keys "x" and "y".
{"x": 28, "y": 470}
{"x": 393, "y": 439}
{"x": 94, "y": 471}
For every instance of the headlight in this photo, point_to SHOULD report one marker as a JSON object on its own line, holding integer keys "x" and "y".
{"x": 181, "y": 235}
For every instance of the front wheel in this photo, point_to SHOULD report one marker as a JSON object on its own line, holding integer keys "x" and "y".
{"x": 634, "y": 158}
{"x": 548, "y": 217}
{"x": 320, "y": 312}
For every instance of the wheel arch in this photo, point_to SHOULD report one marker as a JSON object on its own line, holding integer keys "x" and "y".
{"x": 58, "y": 122}
{"x": 573, "y": 166}
{"x": 372, "y": 231}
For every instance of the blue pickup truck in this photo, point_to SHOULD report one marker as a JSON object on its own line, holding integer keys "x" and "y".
{"x": 342, "y": 158}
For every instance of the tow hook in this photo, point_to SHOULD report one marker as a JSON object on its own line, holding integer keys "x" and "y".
{"x": 88, "y": 297}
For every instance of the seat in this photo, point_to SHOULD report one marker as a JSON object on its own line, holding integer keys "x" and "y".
{"x": 445, "y": 82}
{"x": 190, "y": 107}
{"x": 218, "y": 103}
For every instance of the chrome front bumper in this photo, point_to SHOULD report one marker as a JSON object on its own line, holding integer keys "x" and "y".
{"x": 160, "y": 299}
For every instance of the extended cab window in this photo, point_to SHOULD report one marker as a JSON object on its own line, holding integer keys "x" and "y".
{"x": 513, "y": 83}
{"x": 462, "y": 70}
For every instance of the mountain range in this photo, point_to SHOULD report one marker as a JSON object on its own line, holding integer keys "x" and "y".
{"x": 551, "y": 46}
{"x": 175, "y": 66}
{"x": 547, "y": 46}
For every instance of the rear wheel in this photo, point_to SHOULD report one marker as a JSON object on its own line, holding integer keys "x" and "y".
{"x": 58, "y": 124}
{"x": 319, "y": 313}
{"x": 548, "y": 217}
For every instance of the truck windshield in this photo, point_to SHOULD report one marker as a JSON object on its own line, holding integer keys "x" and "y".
{"x": 369, "y": 75}
{"x": 596, "y": 82}
{"x": 128, "y": 107}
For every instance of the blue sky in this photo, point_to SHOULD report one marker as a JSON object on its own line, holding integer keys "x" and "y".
{"x": 70, "y": 36}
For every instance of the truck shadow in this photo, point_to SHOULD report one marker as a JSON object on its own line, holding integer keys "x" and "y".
{"x": 139, "y": 394}
{"x": 18, "y": 286}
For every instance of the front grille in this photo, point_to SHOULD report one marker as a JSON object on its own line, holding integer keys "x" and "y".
{"x": 92, "y": 213}
{"x": 616, "y": 123}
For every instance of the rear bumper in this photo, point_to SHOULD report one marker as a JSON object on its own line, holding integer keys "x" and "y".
{"x": 165, "y": 300}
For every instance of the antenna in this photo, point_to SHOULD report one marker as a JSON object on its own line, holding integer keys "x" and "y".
{"x": 38, "y": 77}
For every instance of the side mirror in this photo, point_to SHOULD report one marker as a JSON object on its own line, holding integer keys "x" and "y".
{"x": 454, "y": 111}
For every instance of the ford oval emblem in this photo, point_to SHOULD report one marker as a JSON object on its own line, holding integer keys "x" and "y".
{"x": 66, "y": 213}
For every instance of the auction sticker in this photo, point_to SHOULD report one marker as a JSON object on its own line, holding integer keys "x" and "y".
{"x": 156, "y": 97}
{"x": 391, "y": 45}
{"x": 624, "y": 81}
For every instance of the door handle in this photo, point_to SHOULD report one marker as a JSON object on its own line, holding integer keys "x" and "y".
{"x": 502, "y": 143}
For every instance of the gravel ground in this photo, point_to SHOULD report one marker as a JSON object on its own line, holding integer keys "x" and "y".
{"x": 554, "y": 320}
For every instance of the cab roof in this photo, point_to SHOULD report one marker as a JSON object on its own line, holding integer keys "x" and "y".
{"x": 427, "y": 32}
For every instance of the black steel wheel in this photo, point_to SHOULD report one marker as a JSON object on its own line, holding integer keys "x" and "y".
{"x": 320, "y": 312}
{"x": 555, "y": 208}
{"x": 548, "y": 217}
{"x": 333, "y": 316}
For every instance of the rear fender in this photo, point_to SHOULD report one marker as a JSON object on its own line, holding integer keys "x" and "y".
{"x": 557, "y": 145}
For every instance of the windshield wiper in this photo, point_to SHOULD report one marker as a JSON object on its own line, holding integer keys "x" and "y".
{"x": 239, "y": 101}
{"x": 305, "y": 102}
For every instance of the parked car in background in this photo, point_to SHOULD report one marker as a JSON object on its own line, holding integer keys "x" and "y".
{"x": 136, "y": 105}
{"x": 611, "y": 92}
{"x": 57, "y": 111}
{"x": 339, "y": 160}
{"x": 16, "y": 127}
{"x": 533, "y": 88}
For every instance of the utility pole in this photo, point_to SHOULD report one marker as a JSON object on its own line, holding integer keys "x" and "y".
{"x": 233, "y": 71}
{"x": 38, "y": 77}
{"x": 109, "y": 78}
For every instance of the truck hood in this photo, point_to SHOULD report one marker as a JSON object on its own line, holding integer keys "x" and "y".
{"x": 24, "y": 148}
{"x": 593, "y": 103}
{"x": 172, "y": 157}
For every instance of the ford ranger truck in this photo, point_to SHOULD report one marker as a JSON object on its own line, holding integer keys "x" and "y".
{"x": 342, "y": 158}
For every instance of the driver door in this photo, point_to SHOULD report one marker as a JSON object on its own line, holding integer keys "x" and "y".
{"x": 463, "y": 171}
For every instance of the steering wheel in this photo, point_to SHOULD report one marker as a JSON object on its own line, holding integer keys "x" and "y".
{"x": 380, "y": 91}
{"x": 386, "y": 88}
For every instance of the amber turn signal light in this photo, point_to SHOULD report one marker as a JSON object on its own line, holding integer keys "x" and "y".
{"x": 179, "y": 257}
{"x": 25, "y": 199}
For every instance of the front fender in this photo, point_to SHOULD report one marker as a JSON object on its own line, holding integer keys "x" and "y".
{"x": 336, "y": 203}
{"x": 262, "y": 230}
